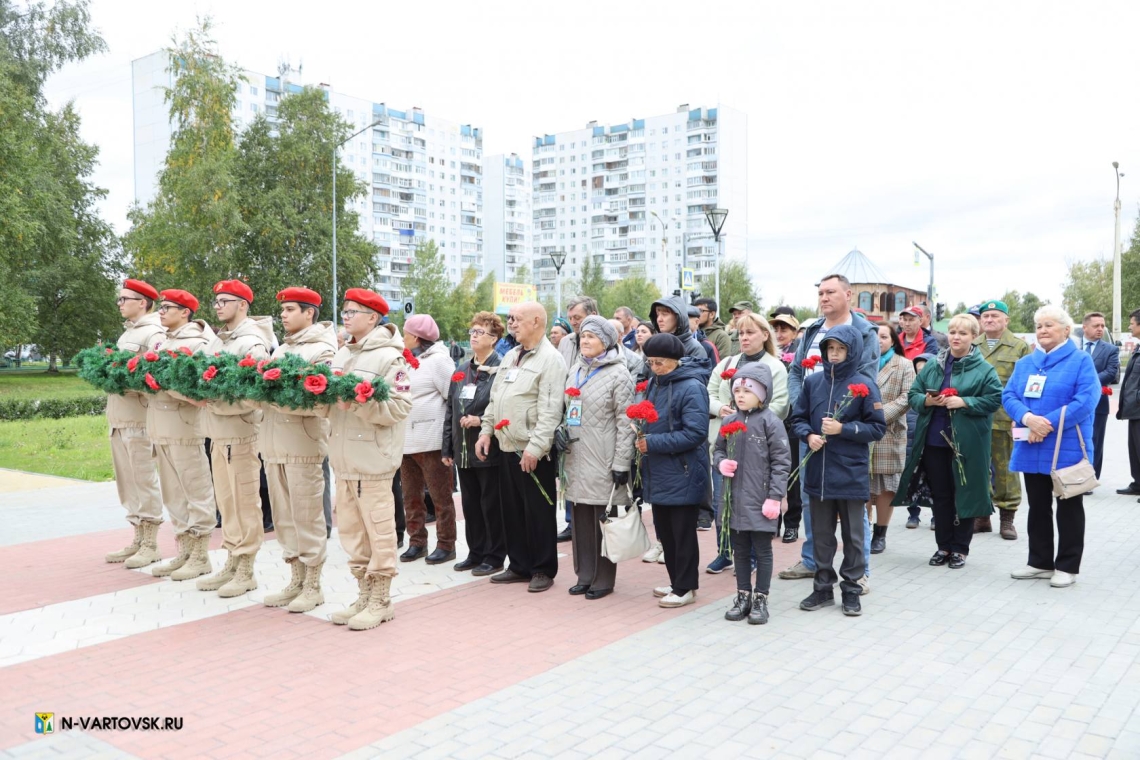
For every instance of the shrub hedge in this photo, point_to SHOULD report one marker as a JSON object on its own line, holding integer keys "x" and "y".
{"x": 52, "y": 408}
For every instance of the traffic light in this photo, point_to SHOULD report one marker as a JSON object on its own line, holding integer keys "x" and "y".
{"x": 939, "y": 312}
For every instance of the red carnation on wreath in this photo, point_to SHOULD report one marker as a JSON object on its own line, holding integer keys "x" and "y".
{"x": 151, "y": 382}
{"x": 502, "y": 424}
{"x": 186, "y": 350}
{"x": 338, "y": 372}
{"x": 459, "y": 377}
{"x": 110, "y": 351}
{"x": 316, "y": 384}
{"x": 1105, "y": 391}
{"x": 172, "y": 353}
{"x": 248, "y": 361}
{"x": 132, "y": 364}
{"x": 948, "y": 392}
{"x": 733, "y": 428}
{"x": 210, "y": 373}
{"x": 573, "y": 392}
{"x": 364, "y": 391}
{"x": 642, "y": 387}
{"x": 150, "y": 356}
{"x": 412, "y": 361}
{"x": 271, "y": 374}
{"x": 860, "y": 390}
{"x": 728, "y": 374}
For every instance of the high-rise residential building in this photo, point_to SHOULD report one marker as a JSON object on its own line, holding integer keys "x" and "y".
{"x": 633, "y": 196}
{"x": 424, "y": 173}
{"x": 506, "y": 216}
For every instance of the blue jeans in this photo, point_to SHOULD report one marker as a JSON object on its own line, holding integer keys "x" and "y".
{"x": 806, "y": 556}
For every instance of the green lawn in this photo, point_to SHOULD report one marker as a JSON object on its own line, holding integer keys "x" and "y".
{"x": 41, "y": 385}
{"x": 74, "y": 447}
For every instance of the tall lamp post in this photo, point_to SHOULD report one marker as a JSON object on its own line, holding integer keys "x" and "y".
{"x": 664, "y": 252}
{"x": 559, "y": 258}
{"x": 716, "y": 218}
{"x": 1116, "y": 255}
{"x": 929, "y": 288}
{"x": 336, "y": 149}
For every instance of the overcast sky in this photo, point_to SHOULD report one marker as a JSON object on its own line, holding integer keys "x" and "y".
{"x": 983, "y": 130}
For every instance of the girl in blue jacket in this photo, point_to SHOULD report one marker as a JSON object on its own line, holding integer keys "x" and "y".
{"x": 837, "y": 476}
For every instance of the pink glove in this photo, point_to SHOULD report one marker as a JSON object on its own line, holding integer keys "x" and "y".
{"x": 771, "y": 509}
{"x": 727, "y": 467}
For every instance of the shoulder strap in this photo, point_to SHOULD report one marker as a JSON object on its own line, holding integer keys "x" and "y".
{"x": 1060, "y": 431}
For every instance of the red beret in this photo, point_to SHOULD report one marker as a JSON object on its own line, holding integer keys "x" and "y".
{"x": 234, "y": 288}
{"x": 300, "y": 295}
{"x": 142, "y": 288}
{"x": 180, "y": 297}
{"x": 367, "y": 298}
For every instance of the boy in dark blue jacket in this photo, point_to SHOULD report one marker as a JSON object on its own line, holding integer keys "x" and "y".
{"x": 838, "y": 426}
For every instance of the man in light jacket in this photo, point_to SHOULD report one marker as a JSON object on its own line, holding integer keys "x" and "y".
{"x": 232, "y": 430}
{"x": 525, "y": 410}
{"x": 131, "y": 453}
{"x": 294, "y": 443}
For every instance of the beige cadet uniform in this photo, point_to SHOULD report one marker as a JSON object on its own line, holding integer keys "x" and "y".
{"x": 175, "y": 431}
{"x": 366, "y": 447}
{"x": 131, "y": 451}
{"x": 294, "y": 444}
{"x": 232, "y": 430}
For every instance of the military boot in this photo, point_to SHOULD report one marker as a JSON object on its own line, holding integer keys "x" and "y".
{"x": 185, "y": 542}
{"x": 220, "y": 578}
{"x": 122, "y": 555}
{"x": 199, "y": 561}
{"x": 290, "y": 592}
{"x": 379, "y": 607}
{"x": 148, "y": 547}
{"x": 364, "y": 583}
{"x": 1008, "y": 532}
{"x": 243, "y": 579}
{"x": 983, "y": 525}
{"x": 311, "y": 595}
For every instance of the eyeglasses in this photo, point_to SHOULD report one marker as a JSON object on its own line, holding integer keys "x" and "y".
{"x": 221, "y": 302}
{"x": 659, "y": 362}
{"x": 703, "y": 311}
{"x": 168, "y": 306}
{"x": 123, "y": 299}
{"x": 350, "y": 313}
{"x": 513, "y": 318}
{"x": 475, "y": 332}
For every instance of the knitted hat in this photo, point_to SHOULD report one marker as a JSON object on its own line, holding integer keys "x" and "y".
{"x": 756, "y": 387}
{"x": 664, "y": 346}
{"x": 423, "y": 327}
{"x": 600, "y": 327}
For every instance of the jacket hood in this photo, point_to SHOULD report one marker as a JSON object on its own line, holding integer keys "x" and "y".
{"x": 677, "y": 305}
{"x": 435, "y": 348}
{"x": 262, "y": 327}
{"x": 146, "y": 320}
{"x": 849, "y": 336}
{"x": 969, "y": 360}
{"x": 192, "y": 329}
{"x": 611, "y": 356}
{"x": 319, "y": 332}
{"x": 928, "y": 358}
{"x": 759, "y": 372}
{"x": 383, "y": 336}
{"x": 688, "y": 369}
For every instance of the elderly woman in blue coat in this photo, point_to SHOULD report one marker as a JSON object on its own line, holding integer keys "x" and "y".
{"x": 675, "y": 461}
{"x": 1055, "y": 376}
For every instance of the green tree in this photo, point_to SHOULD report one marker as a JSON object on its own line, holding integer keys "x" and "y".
{"x": 461, "y": 307}
{"x": 426, "y": 282}
{"x": 523, "y": 276}
{"x": 961, "y": 308}
{"x": 635, "y": 291}
{"x": 735, "y": 285}
{"x": 485, "y": 293}
{"x": 593, "y": 282}
{"x": 1021, "y": 315}
{"x": 1089, "y": 288}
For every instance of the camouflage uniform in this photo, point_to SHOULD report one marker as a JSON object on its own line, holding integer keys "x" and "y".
{"x": 1006, "y": 485}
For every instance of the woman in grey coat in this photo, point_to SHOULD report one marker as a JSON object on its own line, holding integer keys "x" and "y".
{"x": 759, "y": 466}
{"x": 598, "y": 390}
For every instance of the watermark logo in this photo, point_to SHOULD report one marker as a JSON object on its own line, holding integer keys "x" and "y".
{"x": 45, "y": 723}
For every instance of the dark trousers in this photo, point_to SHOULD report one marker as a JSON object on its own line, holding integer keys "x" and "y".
{"x": 482, "y": 515}
{"x": 952, "y": 533}
{"x": 416, "y": 472}
{"x": 529, "y": 521}
{"x": 398, "y": 497}
{"x": 592, "y": 568}
{"x": 1070, "y": 527}
{"x": 677, "y": 532}
{"x": 1100, "y": 422}
{"x": 795, "y": 494}
{"x": 850, "y": 514}
{"x": 1134, "y": 452}
{"x": 744, "y": 543}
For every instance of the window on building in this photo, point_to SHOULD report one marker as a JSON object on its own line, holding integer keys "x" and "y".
{"x": 866, "y": 302}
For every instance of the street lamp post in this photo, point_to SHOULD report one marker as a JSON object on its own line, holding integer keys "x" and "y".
{"x": 930, "y": 287}
{"x": 336, "y": 148}
{"x": 1116, "y": 255}
{"x": 664, "y": 243}
{"x": 716, "y": 218}
{"x": 559, "y": 258}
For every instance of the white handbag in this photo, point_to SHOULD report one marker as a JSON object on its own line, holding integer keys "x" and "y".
{"x": 1076, "y": 479}
{"x": 623, "y": 535}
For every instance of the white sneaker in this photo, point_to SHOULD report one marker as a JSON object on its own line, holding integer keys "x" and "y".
{"x": 661, "y": 559}
{"x": 672, "y": 600}
{"x": 864, "y": 586}
{"x": 655, "y": 553}
{"x": 798, "y": 570}
{"x": 661, "y": 591}
{"x": 1062, "y": 579}
{"x": 1029, "y": 572}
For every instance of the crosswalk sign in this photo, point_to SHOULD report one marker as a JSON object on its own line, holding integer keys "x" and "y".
{"x": 688, "y": 279}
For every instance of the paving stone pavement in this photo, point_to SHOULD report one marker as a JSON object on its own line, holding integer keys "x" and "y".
{"x": 942, "y": 664}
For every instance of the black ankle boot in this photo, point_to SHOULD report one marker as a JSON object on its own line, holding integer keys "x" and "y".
{"x": 741, "y": 606}
{"x": 878, "y": 539}
{"x": 759, "y": 613}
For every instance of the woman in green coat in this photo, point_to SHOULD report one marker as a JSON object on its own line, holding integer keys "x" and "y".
{"x": 955, "y": 397}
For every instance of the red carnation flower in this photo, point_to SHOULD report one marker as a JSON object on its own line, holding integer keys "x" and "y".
{"x": 573, "y": 392}
{"x": 150, "y": 356}
{"x": 271, "y": 374}
{"x": 261, "y": 364}
{"x": 154, "y": 386}
{"x": 810, "y": 362}
{"x": 949, "y": 392}
{"x": 859, "y": 390}
{"x": 171, "y": 353}
{"x": 186, "y": 350}
{"x": 733, "y": 428}
{"x": 1105, "y": 391}
{"x": 338, "y": 372}
{"x": 642, "y": 387}
{"x": 316, "y": 384}
{"x": 210, "y": 373}
{"x": 364, "y": 391}
{"x": 502, "y": 424}
{"x": 459, "y": 377}
{"x": 412, "y": 361}
{"x": 132, "y": 363}
{"x": 643, "y": 410}
{"x": 728, "y": 374}
{"x": 248, "y": 361}
{"x": 110, "y": 351}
